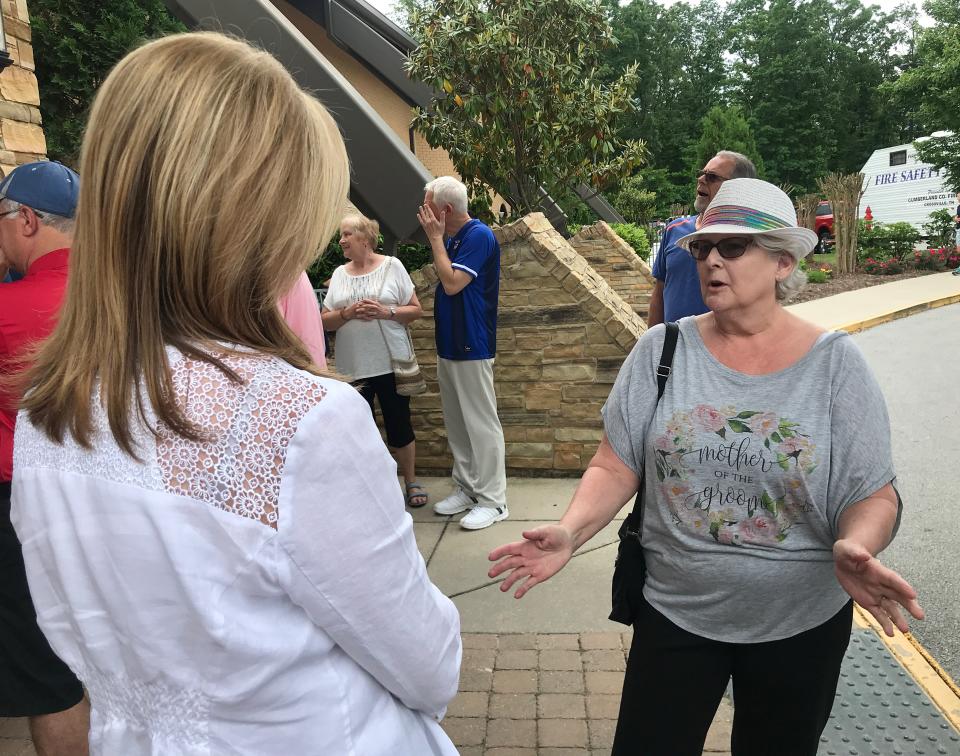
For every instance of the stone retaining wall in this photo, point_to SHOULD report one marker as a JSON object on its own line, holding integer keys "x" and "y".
{"x": 563, "y": 333}
{"x": 618, "y": 263}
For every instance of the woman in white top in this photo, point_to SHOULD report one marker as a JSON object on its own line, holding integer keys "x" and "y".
{"x": 213, "y": 534}
{"x": 370, "y": 302}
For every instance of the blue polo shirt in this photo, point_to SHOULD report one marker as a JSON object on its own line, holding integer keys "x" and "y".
{"x": 678, "y": 271}
{"x": 466, "y": 323}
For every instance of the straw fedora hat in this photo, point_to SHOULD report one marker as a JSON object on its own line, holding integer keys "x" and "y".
{"x": 751, "y": 207}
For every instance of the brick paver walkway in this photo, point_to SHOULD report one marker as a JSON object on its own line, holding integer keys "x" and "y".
{"x": 546, "y": 695}
{"x": 520, "y": 695}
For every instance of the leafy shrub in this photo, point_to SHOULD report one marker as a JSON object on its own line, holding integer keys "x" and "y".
{"x": 413, "y": 256}
{"x": 883, "y": 242}
{"x": 939, "y": 229}
{"x": 817, "y": 273}
{"x": 873, "y": 242}
{"x": 882, "y": 267}
{"x": 903, "y": 236}
{"x": 635, "y": 236}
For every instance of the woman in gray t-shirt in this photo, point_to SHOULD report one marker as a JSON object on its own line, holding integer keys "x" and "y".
{"x": 769, "y": 490}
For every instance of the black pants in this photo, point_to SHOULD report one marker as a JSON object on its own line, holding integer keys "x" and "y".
{"x": 395, "y": 408}
{"x": 782, "y": 690}
{"x": 33, "y": 680}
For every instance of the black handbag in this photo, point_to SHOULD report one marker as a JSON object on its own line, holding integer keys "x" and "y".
{"x": 630, "y": 570}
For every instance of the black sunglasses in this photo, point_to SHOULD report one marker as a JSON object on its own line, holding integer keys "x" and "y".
{"x": 729, "y": 249}
{"x": 711, "y": 177}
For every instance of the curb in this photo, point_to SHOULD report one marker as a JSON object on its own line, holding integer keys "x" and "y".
{"x": 919, "y": 664}
{"x": 862, "y": 325}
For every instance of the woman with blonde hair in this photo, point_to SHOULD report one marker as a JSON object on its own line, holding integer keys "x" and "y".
{"x": 369, "y": 304}
{"x": 213, "y": 534}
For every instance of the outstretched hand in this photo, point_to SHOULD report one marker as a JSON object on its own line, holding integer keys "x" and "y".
{"x": 540, "y": 555}
{"x": 878, "y": 589}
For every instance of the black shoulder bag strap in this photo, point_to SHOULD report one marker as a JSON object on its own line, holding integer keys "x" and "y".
{"x": 633, "y": 525}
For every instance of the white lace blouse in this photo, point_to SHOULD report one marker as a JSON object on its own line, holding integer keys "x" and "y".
{"x": 256, "y": 593}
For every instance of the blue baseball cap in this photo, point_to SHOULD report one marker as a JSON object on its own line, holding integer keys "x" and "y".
{"x": 45, "y": 186}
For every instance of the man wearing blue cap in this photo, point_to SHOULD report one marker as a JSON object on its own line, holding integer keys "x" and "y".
{"x": 37, "y": 205}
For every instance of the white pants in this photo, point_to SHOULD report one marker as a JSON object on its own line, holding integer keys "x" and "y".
{"x": 473, "y": 429}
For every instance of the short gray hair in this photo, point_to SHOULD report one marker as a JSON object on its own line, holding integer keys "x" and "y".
{"x": 790, "y": 286}
{"x": 447, "y": 190}
{"x": 57, "y": 222}
{"x": 743, "y": 166}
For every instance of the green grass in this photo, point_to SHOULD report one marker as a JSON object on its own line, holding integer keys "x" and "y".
{"x": 830, "y": 258}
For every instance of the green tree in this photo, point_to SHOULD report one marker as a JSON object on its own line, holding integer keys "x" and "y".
{"x": 725, "y": 129}
{"x": 402, "y": 11}
{"x": 524, "y": 105}
{"x": 77, "y": 43}
{"x": 808, "y": 74}
{"x": 866, "y": 48}
{"x": 681, "y": 75}
{"x": 780, "y": 71}
{"x": 931, "y": 89}
{"x": 650, "y": 195}
{"x": 634, "y": 201}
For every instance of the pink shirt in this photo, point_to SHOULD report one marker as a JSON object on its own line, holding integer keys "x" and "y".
{"x": 300, "y": 309}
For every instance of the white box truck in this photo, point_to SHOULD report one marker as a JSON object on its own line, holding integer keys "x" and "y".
{"x": 898, "y": 187}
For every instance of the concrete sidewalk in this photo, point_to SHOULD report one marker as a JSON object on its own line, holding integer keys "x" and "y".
{"x": 857, "y": 310}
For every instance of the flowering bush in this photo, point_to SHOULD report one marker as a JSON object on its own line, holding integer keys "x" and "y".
{"x": 930, "y": 259}
{"x": 882, "y": 267}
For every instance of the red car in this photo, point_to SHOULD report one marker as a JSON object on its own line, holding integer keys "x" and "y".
{"x": 823, "y": 225}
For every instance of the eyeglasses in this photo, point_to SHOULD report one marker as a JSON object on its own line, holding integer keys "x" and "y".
{"x": 729, "y": 249}
{"x": 711, "y": 177}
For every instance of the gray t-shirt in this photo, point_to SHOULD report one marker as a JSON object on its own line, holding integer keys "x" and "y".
{"x": 747, "y": 479}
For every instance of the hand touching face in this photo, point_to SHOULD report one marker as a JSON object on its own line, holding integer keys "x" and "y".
{"x": 432, "y": 218}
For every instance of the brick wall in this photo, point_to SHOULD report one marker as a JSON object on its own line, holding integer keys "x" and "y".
{"x": 618, "y": 263}
{"x": 563, "y": 333}
{"x": 21, "y": 134}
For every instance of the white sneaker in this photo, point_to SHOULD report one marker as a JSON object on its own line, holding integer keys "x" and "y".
{"x": 483, "y": 517}
{"x": 457, "y": 502}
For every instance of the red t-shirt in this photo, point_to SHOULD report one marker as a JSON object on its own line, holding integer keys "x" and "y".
{"x": 28, "y": 313}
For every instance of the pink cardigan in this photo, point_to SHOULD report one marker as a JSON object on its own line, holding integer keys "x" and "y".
{"x": 302, "y": 313}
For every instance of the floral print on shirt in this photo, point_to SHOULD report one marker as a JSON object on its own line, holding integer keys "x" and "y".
{"x": 736, "y": 476}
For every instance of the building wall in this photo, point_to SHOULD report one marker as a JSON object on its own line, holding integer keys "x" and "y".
{"x": 21, "y": 132}
{"x": 392, "y": 109}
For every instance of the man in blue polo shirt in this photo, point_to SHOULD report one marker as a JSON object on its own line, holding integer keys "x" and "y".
{"x": 676, "y": 292}
{"x": 465, "y": 317}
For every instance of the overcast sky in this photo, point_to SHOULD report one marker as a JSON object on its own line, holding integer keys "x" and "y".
{"x": 888, "y": 5}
